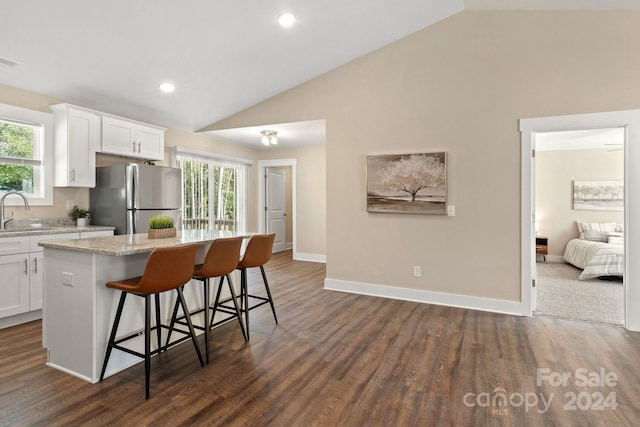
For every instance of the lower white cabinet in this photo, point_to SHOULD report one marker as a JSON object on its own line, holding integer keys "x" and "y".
{"x": 14, "y": 284}
{"x": 36, "y": 280}
{"x": 22, "y": 268}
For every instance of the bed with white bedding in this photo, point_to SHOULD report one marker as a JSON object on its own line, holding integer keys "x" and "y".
{"x": 599, "y": 251}
{"x": 595, "y": 258}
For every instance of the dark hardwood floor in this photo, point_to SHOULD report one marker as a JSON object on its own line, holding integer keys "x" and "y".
{"x": 339, "y": 359}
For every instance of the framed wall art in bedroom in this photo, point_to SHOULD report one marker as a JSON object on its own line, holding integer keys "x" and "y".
{"x": 407, "y": 183}
{"x": 598, "y": 195}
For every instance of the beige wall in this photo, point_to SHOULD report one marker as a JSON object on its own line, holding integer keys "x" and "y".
{"x": 311, "y": 195}
{"x": 555, "y": 173}
{"x": 460, "y": 86}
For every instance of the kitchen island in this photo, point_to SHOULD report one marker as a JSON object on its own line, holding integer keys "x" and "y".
{"x": 79, "y": 309}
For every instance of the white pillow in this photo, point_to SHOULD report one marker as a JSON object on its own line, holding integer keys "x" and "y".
{"x": 595, "y": 236}
{"x": 616, "y": 240}
{"x": 604, "y": 227}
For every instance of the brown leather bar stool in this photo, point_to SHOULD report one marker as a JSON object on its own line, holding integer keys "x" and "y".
{"x": 221, "y": 259}
{"x": 257, "y": 254}
{"x": 167, "y": 269}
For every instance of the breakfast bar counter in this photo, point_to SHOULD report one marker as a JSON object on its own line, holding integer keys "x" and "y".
{"x": 138, "y": 243}
{"x": 79, "y": 309}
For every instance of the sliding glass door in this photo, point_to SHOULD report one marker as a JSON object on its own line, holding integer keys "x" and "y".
{"x": 213, "y": 193}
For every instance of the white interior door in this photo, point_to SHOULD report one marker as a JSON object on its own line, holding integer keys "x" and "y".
{"x": 275, "y": 209}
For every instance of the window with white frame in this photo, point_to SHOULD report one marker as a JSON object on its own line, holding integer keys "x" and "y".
{"x": 26, "y": 145}
{"x": 213, "y": 195}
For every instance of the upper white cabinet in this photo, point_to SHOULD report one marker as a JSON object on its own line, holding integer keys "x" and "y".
{"x": 150, "y": 142}
{"x": 77, "y": 136}
{"x": 132, "y": 139}
{"x": 80, "y": 133}
{"x": 118, "y": 137}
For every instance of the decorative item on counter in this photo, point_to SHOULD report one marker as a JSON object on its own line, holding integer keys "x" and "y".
{"x": 80, "y": 216}
{"x": 161, "y": 227}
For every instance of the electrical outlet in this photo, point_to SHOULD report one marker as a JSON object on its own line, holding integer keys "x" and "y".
{"x": 451, "y": 210}
{"x": 69, "y": 205}
{"x": 67, "y": 279}
{"x": 417, "y": 271}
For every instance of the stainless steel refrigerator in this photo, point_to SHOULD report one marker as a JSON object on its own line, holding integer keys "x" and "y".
{"x": 126, "y": 196}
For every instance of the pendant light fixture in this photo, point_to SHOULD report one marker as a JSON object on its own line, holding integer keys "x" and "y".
{"x": 269, "y": 137}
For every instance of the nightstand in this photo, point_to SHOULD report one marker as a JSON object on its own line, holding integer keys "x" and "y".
{"x": 542, "y": 247}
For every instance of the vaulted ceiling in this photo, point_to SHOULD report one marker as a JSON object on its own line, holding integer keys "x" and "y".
{"x": 223, "y": 56}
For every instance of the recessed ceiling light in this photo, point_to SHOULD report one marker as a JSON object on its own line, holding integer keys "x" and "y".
{"x": 167, "y": 87}
{"x": 286, "y": 20}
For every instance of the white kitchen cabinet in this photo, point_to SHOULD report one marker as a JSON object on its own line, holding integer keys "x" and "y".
{"x": 77, "y": 136}
{"x": 14, "y": 245}
{"x": 36, "y": 280}
{"x": 14, "y": 286}
{"x": 21, "y": 271}
{"x": 14, "y": 275}
{"x": 132, "y": 139}
{"x": 118, "y": 136}
{"x": 150, "y": 142}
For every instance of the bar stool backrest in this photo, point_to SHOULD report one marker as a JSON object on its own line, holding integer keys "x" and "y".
{"x": 167, "y": 268}
{"x": 258, "y": 250}
{"x": 222, "y": 257}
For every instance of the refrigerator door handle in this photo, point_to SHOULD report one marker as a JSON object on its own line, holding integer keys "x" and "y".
{"x": 131, "y": 222}
{"x": 135, "y": 184}
{"x": 128, "y": 184}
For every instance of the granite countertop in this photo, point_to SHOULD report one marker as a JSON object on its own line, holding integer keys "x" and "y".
{"x": 40, "y": 230}
{"x": 138, "y": 243}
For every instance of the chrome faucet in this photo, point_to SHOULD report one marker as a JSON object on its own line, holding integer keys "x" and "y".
{"x": 3, "y": 222}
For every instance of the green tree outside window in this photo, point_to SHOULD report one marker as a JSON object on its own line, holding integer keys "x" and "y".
{"x": 16, "y": 141}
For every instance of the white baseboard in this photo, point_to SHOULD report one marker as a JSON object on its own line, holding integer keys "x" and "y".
{"x": 299, "y": 256}
{"x": 428, "y": 297}
{"x": 29, "y": 316}
{"x": 288, "y": 246}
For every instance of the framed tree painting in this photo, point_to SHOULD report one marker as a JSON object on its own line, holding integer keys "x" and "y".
{"x": 598, "y": 195}
{"x": 407, "y": 183}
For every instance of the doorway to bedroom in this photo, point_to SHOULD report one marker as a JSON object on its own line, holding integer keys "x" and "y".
{"x": 579, "y": 224}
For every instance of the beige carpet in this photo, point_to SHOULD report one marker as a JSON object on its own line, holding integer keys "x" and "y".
{"x": 561, "y": 294}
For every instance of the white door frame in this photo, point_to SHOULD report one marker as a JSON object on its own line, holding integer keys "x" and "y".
{"x": 630, "y": 120}
{"x": 262, "y": 167}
